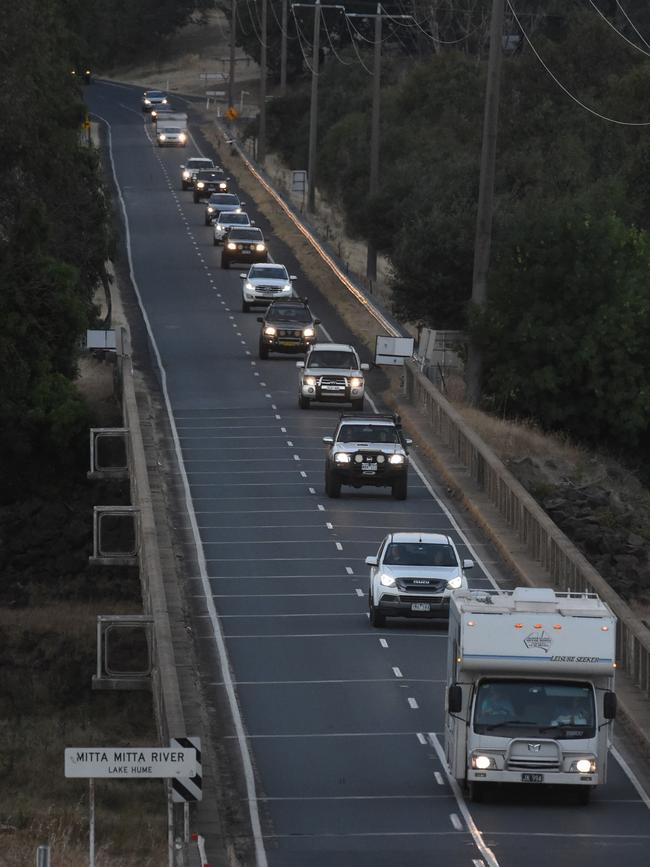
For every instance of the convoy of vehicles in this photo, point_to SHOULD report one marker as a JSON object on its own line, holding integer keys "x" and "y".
{"x": 530, "y": 678}
{"x": 529, "y": 689}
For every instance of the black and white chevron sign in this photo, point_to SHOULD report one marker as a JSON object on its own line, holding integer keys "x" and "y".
{"x": 188, "y": 788}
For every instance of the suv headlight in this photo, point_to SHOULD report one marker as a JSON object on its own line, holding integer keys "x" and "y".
{"x": 231, "y": 245}
{"x": 455, "y": 583}
{"x": 260, "y": 248}
{"x": 200, "y": 185}
{"x": 386, "y": 580}
{"x": 482, "y": 761}
{"x": 309, "y": 380}
{"x": 249, "y": 286}
{"x": 583, "y": 766}
{"x": 222, "y": 185}
{"x": 396, "y": 459}
{"x": 341, "y": 458}
{"x": 356, "y": 381}
{"x": 308, "y": 332}
{"x": 287, "y": 287}
{"x": 270, "y": 330}
{"x": 186, "y": 176}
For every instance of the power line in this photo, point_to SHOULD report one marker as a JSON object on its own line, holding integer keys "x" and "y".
{"x": 279, "y": 23}
{"x": 632, "y": 25}
{"x": 617, "y": 31}
{"x": 565, "y": 89}
{"x": 300, "y": 38}
{"x": 329, "y": 39}
{"x": 354, "y": 45}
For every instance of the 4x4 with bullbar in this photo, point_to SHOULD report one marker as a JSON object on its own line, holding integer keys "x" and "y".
{"x": 287, "y": 326}
{"x": 367, "y": 450}
{"x": 331, "y": 372}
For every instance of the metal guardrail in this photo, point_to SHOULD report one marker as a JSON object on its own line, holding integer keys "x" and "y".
{"x": 544, "y": 541}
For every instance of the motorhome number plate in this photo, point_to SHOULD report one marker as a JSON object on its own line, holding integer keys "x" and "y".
{"x": 421, "y": 606}
{"x": 532, "y": 778}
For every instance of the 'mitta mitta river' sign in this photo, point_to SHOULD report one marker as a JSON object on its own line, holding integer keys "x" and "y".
{"x": 122, "y": 762}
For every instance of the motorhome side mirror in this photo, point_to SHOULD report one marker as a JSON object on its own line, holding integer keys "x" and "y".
{"x": 328, "y": 440}
{"x": 371, "y": 561}
{"x": 300, "y": 364}
{"x": 468, "y": 564}
{"x": 609, "y": 705}
{"x": 455, "y": 699}
{"x": 365, "y": 367}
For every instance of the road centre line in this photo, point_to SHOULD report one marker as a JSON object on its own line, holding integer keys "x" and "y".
{"x": 349, "y": 570}
{"x": 455, "y": 821}
{"x": 305, "y": 735}
{"x": 397, "y": 672}
{"x": 437, "y": 775}
{"x": 383, "y": 643}
{"x": 421, "y": 738}
{"x": 413, "y": 703}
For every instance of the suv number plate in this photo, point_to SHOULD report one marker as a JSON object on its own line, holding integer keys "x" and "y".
{"x": 532, "y": 778}
{"x": 369, "y": 468}
{"x": 421, "y": 606}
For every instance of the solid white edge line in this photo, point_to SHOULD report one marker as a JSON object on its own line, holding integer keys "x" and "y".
{"x": 632, "y": 776}
{"x": 462, "y": 806}
{"x": 251, "y": 792}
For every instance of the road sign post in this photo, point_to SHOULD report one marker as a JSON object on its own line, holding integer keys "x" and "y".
{"x": 122, "y": 763}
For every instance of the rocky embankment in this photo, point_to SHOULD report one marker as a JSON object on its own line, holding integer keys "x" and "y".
{"x": 606, "y": 514}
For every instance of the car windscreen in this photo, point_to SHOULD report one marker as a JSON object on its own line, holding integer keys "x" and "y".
{"x": 234, "y": 219}
{"x": 245, "y": 235}
{"x": 288, "y": 313}
{"x": 358, "y": 433}
{"x": 419, "y": 554}
{"x": 535, "y": 708}
{"x": 199, "y": 164}
{"x": 223, "y": 199}
{"x": 338, "y": 358}
{"x": 154, "y": 94}
{"x": 279, "y": 273}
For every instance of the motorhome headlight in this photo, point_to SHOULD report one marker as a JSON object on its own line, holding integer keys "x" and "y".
{"x": 396, "y": 459}
{"x": 162, "y": 137}
{"x": 386, "y": 580}
{"x": 583, "y": 766}
{"x": 182, "y": 137}
{"x": 342, "y": 458}
{"x": 481, "y": 761}
{"x": 356, "y": 382}
{"x": 455, "y": 583}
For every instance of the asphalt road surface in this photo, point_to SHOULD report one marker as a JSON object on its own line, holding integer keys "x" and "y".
{"x": 338, "y": 722}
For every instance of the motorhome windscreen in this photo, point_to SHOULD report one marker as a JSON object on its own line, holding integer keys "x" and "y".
{"x": 535, "y": 708}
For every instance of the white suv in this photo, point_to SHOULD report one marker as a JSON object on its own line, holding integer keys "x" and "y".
{"x": 265, "y": 282}
{"x": 413, "y": 575}
{"x": 331, "y": 372}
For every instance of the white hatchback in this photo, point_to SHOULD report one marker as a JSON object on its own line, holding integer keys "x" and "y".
{"x": 414, "y": 575}
{"x": 264, "y": 283}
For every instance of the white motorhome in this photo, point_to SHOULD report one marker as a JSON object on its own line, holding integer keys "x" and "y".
{"x": 171, "y": 129}
{"x": 529, "y": 689}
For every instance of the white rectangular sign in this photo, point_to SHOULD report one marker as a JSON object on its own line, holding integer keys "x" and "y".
{"x": 122, "y": 762}
{"x": 393, "y": 350}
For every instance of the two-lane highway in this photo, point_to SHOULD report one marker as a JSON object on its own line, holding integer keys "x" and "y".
{"x": 337, "y": 722}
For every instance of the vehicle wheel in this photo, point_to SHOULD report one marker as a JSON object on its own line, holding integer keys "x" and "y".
{"x": 304, "y": 402}
{"x": 245, "y": 306}
{"x": 376, "y": 619}
{"x": 357, "y": 405}
{"x": 332, "y": 485}
{"x": 475, "y": 791}
{"x": 583, "y": 795}
{"x": 264, "y": 351}
{"x": 400, "y": 488}
{"x": 225, "y": 263}
{"x": 196, "y": 199}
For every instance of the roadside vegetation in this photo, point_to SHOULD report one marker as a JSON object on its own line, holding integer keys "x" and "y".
{"x": 568, "y": 315}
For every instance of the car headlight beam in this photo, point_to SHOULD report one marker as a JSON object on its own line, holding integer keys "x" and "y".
{"x": 308, "y": 332}
{"x": 396, "y": 459}
{"x": 270, "y": 330}
{"x": 356, "y": 382}
{"x": 455, "y": 583}
{"x": 341, "y": 458}
{"x": 386, "y": 580}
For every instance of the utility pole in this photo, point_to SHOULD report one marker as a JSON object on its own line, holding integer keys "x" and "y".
{"x": 313, "y": 114}
{"x": 371, "y": 261}
{"x": 233, "y": 37}
{"x": 283, "y": 50}
{"x": 483, "y": 239}
{"x": 261, "y": 133}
